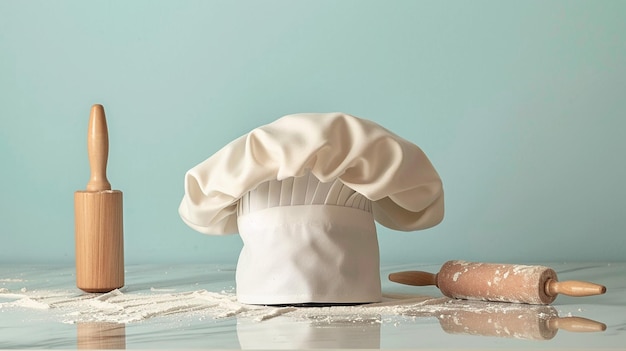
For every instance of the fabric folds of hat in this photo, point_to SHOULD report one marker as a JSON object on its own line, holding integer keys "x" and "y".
{"x": 405, "y": 190}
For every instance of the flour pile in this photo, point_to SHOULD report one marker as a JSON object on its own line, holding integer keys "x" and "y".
{"x": 119, "y": 307}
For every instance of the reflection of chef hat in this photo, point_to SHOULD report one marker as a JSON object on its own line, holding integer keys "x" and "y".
{"x": 329, "y": 332}
{"x": 303, "y": 192}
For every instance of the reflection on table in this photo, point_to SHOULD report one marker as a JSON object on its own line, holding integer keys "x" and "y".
{"x": 100, "y": 336}
{"x": 520, "y": 321}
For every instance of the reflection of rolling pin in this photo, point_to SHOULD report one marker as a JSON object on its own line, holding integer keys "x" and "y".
{"x": 512, "y": 321}
{"x": 98, "y": 218}
{"x": 498, "y": 282}
{"x": 100, "y": 336}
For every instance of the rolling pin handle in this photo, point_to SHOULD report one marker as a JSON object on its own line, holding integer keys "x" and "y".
{"x": 573, "y": 288}
{"x": 98, "y": 149}
{"x": 416, "y": 278}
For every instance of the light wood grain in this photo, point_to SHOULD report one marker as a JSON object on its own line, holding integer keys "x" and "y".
{"x": 416, "y": 278}
{"x": 98, "y": 149}
{"x": 98, "y": 216}
{"x": 99, "y": 240}
{"x": 574, "y": 288}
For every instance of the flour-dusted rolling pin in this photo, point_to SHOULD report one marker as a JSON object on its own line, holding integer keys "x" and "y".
{"x": 498, "y": 282}
{"x": 98, "y": 217}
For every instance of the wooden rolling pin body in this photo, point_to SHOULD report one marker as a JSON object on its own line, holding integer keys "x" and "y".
{"x": 495, "y": 282}
{"x": 98, "y": 218}
{"x": 498, "y": 282}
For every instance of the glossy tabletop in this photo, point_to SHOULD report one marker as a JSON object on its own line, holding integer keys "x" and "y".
{"x": 193, "y": 306}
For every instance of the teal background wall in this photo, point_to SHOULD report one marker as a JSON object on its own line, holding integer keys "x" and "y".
{"x": 520, "y": 105}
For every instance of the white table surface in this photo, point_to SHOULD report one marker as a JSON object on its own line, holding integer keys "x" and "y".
{"x": 191, "y": 306}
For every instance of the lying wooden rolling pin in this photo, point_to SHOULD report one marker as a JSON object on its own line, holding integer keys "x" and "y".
{"x": 498, "y": 282}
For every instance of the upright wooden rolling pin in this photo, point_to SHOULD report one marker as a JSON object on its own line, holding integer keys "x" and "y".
{"x": 99, "y": 229}
{"x": 498, "y": 282}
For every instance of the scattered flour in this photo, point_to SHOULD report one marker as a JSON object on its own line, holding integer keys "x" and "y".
{"x": 31, "y": 303}
{"x": 275, "y": 313}
{"x": 456, "y": 276}
{"x": 120, "y": 307}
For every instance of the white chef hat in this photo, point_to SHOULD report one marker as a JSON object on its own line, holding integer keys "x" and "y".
{"x": 303, "y": 192}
